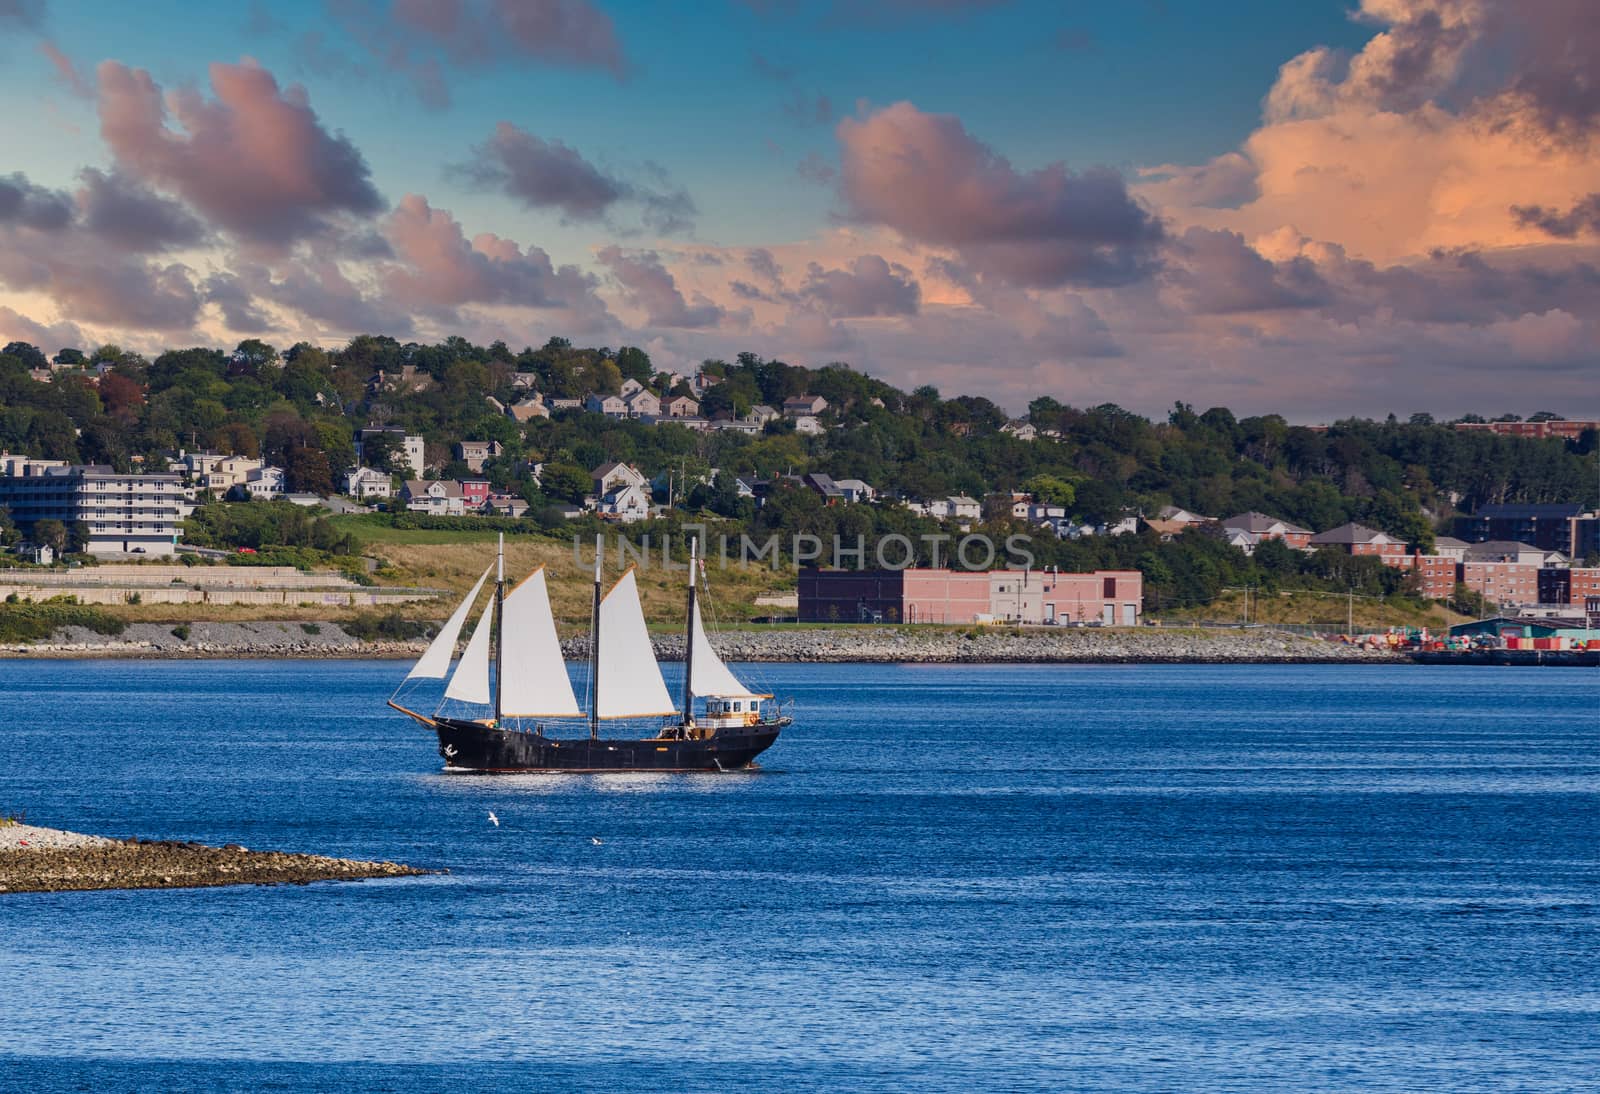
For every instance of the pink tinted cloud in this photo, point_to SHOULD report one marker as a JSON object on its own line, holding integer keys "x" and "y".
{"x": 930, "y": 180}
{"x": 648, "y": 285}
{"x": 439, "y": 270}
{"x": 255, "y": 159}
{"x": 868, "y": 286}
{"x": 66, "y": 71}
{"x": 16, "y": 327}
{"x": 549, "y": 174}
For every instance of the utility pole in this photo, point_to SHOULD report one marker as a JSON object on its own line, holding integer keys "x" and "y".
{"x": 1350, "y": 613}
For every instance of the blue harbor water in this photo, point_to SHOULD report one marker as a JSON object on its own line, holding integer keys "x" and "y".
{"x": 991, "y": 878}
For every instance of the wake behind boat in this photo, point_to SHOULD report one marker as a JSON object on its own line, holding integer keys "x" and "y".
{"x": 513, "y": 666}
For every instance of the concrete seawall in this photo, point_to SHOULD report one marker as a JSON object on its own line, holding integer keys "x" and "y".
{"x": 928, "y": 645}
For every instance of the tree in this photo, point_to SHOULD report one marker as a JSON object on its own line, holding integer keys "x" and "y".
{"x": 634, "y": 364}
{"x": 70, "y": 356}
{"x": 566, "y": 481}
{"x": 50, "y": 533}
{"x": 307, "y": 472}
{"x": 1050, "y": 490}
{"x": 28, "y": 354}
{"x": 8, "y": 530}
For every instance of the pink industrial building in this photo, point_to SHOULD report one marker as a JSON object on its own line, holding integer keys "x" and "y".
{"x": 1106, "y": 597}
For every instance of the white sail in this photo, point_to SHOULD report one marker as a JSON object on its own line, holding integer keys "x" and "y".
{"x": 630, "y": 680}
{"x": 470, "y": 684}
{"x": 536, "y": 683}
{"x": 709, "y": 676}
{"x": 434, "y": 664}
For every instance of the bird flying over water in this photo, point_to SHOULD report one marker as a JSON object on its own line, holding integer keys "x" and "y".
{"x": 596, "y": 842}
{"x": 494, "y": 820}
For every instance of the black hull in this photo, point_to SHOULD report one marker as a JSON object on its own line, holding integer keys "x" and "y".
{"x": 477, "y": 748}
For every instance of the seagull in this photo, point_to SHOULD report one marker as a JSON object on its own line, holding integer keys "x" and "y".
{"x": 494, "y": 820}
{"x": 596, "y": 842}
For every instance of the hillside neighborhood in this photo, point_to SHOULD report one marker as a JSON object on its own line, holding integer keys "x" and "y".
{"x": 739, "y": 443}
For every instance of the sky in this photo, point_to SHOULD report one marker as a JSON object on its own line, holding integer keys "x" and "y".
{"x": 1316, "y": 209}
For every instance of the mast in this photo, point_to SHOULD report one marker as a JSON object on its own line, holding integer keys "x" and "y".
{"x": 594, "y": 645}
{"x": 688, "y": 642}
{"x": 499, "y": 624}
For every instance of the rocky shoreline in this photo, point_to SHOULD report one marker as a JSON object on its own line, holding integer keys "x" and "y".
{"x": 853, "y": 644}
{"x": 47, "y": 860}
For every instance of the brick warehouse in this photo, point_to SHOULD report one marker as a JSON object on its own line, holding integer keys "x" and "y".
{"x": 1106, "y": 597}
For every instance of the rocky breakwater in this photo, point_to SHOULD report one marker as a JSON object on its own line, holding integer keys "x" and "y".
{"x": 47, "y": 860}
{"x": 1000, "y": 645}
{"x": 250, "y": 639}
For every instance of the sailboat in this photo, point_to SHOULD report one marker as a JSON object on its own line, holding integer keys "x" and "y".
{"x": 512, "y": 666}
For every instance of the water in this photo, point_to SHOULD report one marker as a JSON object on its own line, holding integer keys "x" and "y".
{"x": 995, "y": 878}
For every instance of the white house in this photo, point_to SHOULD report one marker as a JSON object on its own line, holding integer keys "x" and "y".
{"x": 761, "y": 413}
{"x": 628, "y": 504}
{"x": 807, "y": 425}
{"x": 854, "y": 490}
{"x": 365, "y": 483}
{"x": 410, "y": 444}
{"x": 1021, "y": 430}
{"x": 612, "y": 476}
{"x": 440, "y": 498}
{"x": 642, "y": 403}
{"x": 611, "y": 406}
{"x": 476, "y": 453}
{"x": 528, "y": 409}
{"x": 680, "y": 406}
{"x": 261, "y": 484}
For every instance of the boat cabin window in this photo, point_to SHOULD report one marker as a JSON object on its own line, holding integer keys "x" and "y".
{"x": 738, "y": 706}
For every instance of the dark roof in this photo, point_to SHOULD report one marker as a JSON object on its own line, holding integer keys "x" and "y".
{"x": 1526, "y": 512}
{"x": 1261, "y": 522}
{"x": 1350, "y": 533}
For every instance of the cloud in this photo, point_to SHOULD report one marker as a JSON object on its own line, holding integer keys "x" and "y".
{"x": 237, "y": 304}
{"x": 255, "y": 160}
{"x": 16, "y": 327}
{"x": 127, "y": 215}
{"x": 32, "y": 206}
{"x": 869, "y": 286}
{"x": 1226, "y": 182}
{"x": 548, "y": 174}
{"x": 1583, "y": 217}
{"x": 930, "y": 180}
{"x": 66, "y": 71}
{"x": 648, "y": 285}
{"x": 1218, "y": 273}
{"x": 439, "y": 270}
{"x": 419, "y": 38}
{"x": 762, "y": 264}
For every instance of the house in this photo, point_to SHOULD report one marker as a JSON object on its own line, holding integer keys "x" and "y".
{"x": 1503, "y": 583}
{"x": 745, "y": 488}
{"x": 564, "y": 404}
{"x": 1242, "y": 538}
{"x": 824, "y": 486}
{"x": 1020, "y": 429}
{"x": 628, "y": 503}
{"x": 642, "y": 403}
{"x": 694, "y": 424}
{"x": 610, "y": 476}
{"x": 1167, "y": 528}
{"x": 439, "y": 497}
{"x": 958, "y": 507}
{"x": 1450, "y": 547}
{"x": 476, "y": 453}
{"x": 680, "y": 406}
{"x": 1263, "y": 527}
{"x": 528, "y": 409}
{"x": 364, "y": 483}
{"x": 40, "y": 553}
{"x": 474, "y": 494}
{"x": 409, "y": 455}
{"x": 855, "y": 490}
{"x": 738, "y": 425}
{"x": 761, "y": 414}
{"x": 611, "y": 406}
{"x": 807, "y": 426}
{"x": 630, "y": 387}
{"x": 1358, "y": 539}
{"x": 524, "y": 381}
{"x": 804, "y": 405}
{"x": 1103, "y": 597}
{"x": 1183, "y": 516}
{"x": 505, "y": 505}
{"x": 260, "y": 484}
